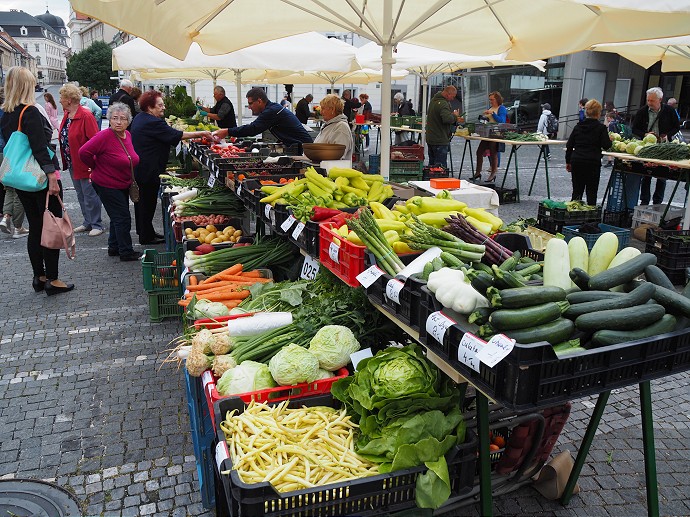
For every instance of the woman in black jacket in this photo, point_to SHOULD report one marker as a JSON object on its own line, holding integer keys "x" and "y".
{"x": 19, "y": 94}
{"x": 583, "y": 153}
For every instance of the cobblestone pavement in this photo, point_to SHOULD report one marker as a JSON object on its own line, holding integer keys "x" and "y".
{"x": 84, "y": 402}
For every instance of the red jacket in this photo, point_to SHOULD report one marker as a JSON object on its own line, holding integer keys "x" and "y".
{"x": 82, "y": 127}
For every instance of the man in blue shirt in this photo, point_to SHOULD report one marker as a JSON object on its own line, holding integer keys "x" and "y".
{"x": 270, "y": 116}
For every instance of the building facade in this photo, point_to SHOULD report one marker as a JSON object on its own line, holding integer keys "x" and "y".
{"x": 13, "y": 54}
{"x": 84, "y": 31}
{"x": 44, "y": 37}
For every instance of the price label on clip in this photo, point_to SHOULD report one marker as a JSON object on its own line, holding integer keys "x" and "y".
{"x": 393, "y": 288}
{"x": 267, "y": 211}
{"x": 369, "y": 276}
{"x": 495, "y": 350}
{"x": 468, "y": 349}
{"x": 211, "y": 180}
{"x": 333, "y": 251}
{"x": 437, "y": 324}
{"x": 310, "y": 268}
{"x": 287, "y": 224}
{"x": 239, "y": 189}
{"x": 221, "y": 454}
{"x": 298, "y": 230}
{"x": 178, "y": 148}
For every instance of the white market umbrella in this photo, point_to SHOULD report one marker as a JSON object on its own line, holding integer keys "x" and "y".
{"x": 527, "y": 30}
{"x": 425, "y": 62}
{"x": 363, "y": 76}
{"x": 282, "y": 57}
{"x": 674, "y": 53}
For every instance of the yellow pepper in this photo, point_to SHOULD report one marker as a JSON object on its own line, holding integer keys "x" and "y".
{"x": 371, "y": 178}
{"x": 343, "y": 230}
{"x": 336, "y": 172}
{"x": 375, "y": 191}
{"x": 354, "y": 238}
{"x": 403, "y": 209}
{"x": 391, "y": 236}
{"x": 381, "y": 211}
{"x": 387, "y": 224}
{"x": 486, "y": 217}
{"x": 483, "y": 227}
{"x": 360, "y": 184}
{"x": 437, "y": 219}
{"x": 401, "y": 248}
{"x": 341, "y": 181}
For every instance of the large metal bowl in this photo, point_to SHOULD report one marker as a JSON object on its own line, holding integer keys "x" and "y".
{"x": 320, "y": 152}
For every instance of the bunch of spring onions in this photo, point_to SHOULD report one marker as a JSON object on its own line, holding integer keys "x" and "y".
{"x": 371, "y": 235}
{"x": 208, "y": 201}
{"x": 424, "y": 236}
{"x": 263, "y": 253}
{"x": 198, "y": 182}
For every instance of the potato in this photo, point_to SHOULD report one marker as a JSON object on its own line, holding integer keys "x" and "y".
{"x": 237, "y": 233}
{"x": 208, "y": 238}
{"x": 229, "y": 229}
{"x": 211, "y": 228}
{"x": 217, "y": 240}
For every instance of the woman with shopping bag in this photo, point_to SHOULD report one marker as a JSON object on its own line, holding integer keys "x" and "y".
{"x": 30, "y": 167}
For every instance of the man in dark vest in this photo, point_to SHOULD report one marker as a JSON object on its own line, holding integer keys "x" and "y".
{"x": 223, "y": 112}
{"x": 123, "y": 95}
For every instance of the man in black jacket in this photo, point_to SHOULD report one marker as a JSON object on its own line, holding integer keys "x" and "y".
{"x": 661, "y": 120}
{"x": 123, "y": 95}
{"x": 223, "y": 112}
{"x": 302, "y": 111}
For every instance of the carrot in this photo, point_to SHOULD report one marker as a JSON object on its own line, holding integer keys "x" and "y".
{"x": 193, "y": 281}
{"x": 239, "y": 278}
{"x": 183, "y": 303}
{"x": 213, "y": 285}
{"x": 252, "y": 274}
{"x": 224, "y": 289}
{"x": 233, "y": 270}
{"x": 224, "y": 296}
{"x": 231, "y": 304}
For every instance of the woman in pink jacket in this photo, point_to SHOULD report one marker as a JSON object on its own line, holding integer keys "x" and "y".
{"x": 51, "y": 110}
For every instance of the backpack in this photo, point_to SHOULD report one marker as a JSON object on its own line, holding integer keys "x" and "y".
{"x": 411, "y": 109}
{"x": 551, "y": 124}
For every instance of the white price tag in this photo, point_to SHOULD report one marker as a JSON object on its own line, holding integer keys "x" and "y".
{"x": 206, "y": 379}
{"x": 267, "y": 211}
{"x": 184, "y": 273}
{"x": 333, "y": 251}
{"x": 437, "y": 324}
{"x": 298, "y": 230}
{"x": 393, "y": 288}
{"x": 359, "y": 355}
{"x": 239, "y": 189}
{"x": 469, "y": 347}
{"x": 496, "y": 349}
{"x": 287, "y": 224}
{"x": 178, "y": 148}
{"x": 369, "y": 276}
{"x": 221, "y": 454}
{"x": 211, "y": 180}
{"x": 309, "y": 268}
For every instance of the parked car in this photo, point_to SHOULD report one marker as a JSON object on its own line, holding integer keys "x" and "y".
{"x": 38, "y": 88}
{"x": 527, "y": 108}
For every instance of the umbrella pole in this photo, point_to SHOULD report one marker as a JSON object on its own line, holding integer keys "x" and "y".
{"x": 425, "y": 103}
{"x": 387, "y": 61}
{"x": 238, "y": 87}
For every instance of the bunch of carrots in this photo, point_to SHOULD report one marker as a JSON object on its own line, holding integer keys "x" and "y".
{"x": 228, "y": 287}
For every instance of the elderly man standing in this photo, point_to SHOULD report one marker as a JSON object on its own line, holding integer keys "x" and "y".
{"x": 123, "y": 95}
{"x": 302, "y": 111}
{"x": 440, "y": 124}
{"x": 270, "y": 116}
{"x": 661, "y": 120}
{"x": 223, "y": 112}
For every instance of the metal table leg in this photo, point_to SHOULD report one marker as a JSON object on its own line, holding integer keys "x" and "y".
{"x": 649, "y": 452}
{"x": 510, "y": 159}
{"x": 462, "y": 162}
{"x": 546, "y": 168}
{"x": 486, "y": 498}
{"x": 584, "y": 448}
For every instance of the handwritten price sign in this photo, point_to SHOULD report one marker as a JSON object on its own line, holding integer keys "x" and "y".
{"x": 469, "y": 347}
{"x": 497, "y": 349}
{"x": 437, "y": 324}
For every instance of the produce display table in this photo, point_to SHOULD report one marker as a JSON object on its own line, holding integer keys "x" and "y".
{"x": 514, "y": 146}
{"x": 476, "y": 196}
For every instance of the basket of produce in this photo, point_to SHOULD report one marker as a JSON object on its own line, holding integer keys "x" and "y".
{"x": 552, "y": 216}
{"x": 160, "y": 271}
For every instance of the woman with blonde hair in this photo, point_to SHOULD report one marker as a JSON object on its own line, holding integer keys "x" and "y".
{"x": 583, "y": 153}
{"x": 19, "y": 105}
{"x": 336, "y": 129}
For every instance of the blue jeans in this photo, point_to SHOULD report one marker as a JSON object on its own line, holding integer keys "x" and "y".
{"x": 88, "y": 202}
{"x": 116, "y": 203}
{"x": 438, "y": 155}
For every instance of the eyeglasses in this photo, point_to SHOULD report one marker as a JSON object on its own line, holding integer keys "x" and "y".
{"x": 249, "y": 103}
{"x": 119, "y": 119}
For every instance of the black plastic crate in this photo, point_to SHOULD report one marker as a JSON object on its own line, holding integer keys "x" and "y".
{"x": 620, "y": 218}
{"x": 670, "y": 241}
{"x": 281, "y": 215}
{"x": 382, "y": 494}
{"x": 553, "y": 220}
{"x": 677, "y": 276}
{"x": 506, "y": 196}
{"x": 532, "y": 376}
{"x": 434, "y": 171}
{"x": 308, "y": 239}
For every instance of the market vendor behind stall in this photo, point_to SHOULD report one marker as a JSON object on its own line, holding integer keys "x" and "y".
{"x": 223, "y": 112}
{"x": 336, "y": 129}
{"x": 270, "y": 116}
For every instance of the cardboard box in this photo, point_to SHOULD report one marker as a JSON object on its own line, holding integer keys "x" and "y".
{"x": 403, "y": 191}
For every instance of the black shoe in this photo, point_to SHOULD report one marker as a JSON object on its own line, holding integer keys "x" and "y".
{"x": 38, "y": 284}
{"x": 52, "y": 289}
{"x": 130, "y": 258}
{"x": 155, "y": 240}
{"x": 159, "y": 236}
{"x": 608, "y": 165}
{"x": 113, "y": 253}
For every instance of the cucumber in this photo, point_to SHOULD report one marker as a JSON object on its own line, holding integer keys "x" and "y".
{"x": 630, "y": 318}
{"x": 591, "y": 296}
{"x": 639, "y": 296}
{"x": 580, "y": 278}
{"x": 673, "y": 302}
{"x": 524, "y": 296}
{"x": 622, "y": 273}
{"x": 428, "y": 269}
{"x": 554, "y": 332}
{"x": 656, "y": 276}
{"x": 451, "y": 260}
{"x": 512, "y": 319}
{"x": 611, "y": 337}
{"x": 509, "y": 278}
{"x": 510, "y": 263}
{"x": 531, "y": 269}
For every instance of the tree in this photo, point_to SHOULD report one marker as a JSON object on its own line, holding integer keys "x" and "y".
{"x": 92, "y": 67}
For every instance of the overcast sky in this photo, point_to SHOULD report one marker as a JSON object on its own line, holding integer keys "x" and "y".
{"x": 33, "y": 7}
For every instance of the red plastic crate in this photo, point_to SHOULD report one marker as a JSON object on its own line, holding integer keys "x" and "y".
{"x": 349, "y": 258}
{"x": 277, "y": 394}
{"x": 411, "y": 152}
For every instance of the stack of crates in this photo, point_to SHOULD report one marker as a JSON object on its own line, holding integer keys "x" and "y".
{"x": 161, "y": 278}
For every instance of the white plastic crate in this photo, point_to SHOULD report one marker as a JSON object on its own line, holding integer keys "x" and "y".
{"x": 651, "y": 214}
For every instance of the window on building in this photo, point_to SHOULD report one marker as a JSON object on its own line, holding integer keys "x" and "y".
{"x": 38, "y": 60}
{"x": 38, "y": 47}
{"x": 26, "y": 46}
{"x": 23, "y": 31}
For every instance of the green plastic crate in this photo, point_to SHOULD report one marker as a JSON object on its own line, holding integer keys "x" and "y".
{"x": 157, "y": 271}
{"x": 163, "y": 304}
{"x": 400, "y": 171}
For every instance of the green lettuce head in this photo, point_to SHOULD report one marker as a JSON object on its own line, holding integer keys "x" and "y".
{"x": 245, "y": 378}
{"x": 294, "y": 364}
{"x": 332, "y": 346}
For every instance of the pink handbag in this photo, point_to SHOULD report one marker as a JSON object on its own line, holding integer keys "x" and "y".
{"x": 57, "y": 231}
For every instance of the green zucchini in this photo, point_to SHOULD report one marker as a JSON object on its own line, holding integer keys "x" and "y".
{"x": 611, "y": 337}
{"x": 437, "y": 263}
{"x": 656, "y": 276}
{"x": 591, "y": 296}
{"x": 673, "y": 302}
{"x": 524, "y": 296}
{"x": 480, "y": 316}
{"x": 622, "y": 273}
{"x": 512, "y": 319}
{"x": 527, "y": 260}
{"x": 511, "y": 262}
{"x": 481, "y": 281}
{"x": 531, "y": 269}
{"x": 486, "y": 331}
{"x": 580, "y": 278}
{"x": 554, "y": 332}
{"x": 630, "y": 318}
{"x": 639, "y": 296}
{"x": 451, "y": 260}
{"x": 508, "y": 278}
{"x": 480, "y": 266}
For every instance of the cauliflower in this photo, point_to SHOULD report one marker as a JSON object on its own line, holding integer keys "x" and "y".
{"x": 332, "y": 346}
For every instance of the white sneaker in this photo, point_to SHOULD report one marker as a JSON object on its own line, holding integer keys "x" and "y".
{"x": 95, "y": 232}
{"x": 81, "y": 229}
{"x": 6, "y": 225}
{"x": 20, "y": 232}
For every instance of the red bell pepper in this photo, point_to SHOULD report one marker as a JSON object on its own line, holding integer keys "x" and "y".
{"x": 322, "y": 213}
